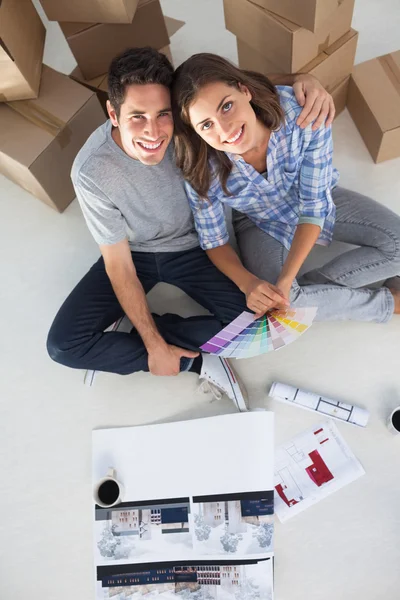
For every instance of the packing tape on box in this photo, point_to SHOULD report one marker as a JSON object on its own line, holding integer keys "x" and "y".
{"x": 43, "y": 119}
{"x": 391, "y": 69}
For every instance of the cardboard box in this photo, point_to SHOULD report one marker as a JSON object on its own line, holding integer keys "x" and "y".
{"x": 338, "y": 87}
{"x": 288, "y": 46}
{"x": 306, "y": 13}
{"x": 173, "y": 25}
{"x": 339, "y": 94}
{"x": 90, "y": 11}
{"x": 95, "y": 45}
{"x": 99, "y": 84}
{"x": 374, "y": 104}
{"x": 330, "y": 67}
{"x": 22, "y": 36}
{"x": 40, "y": 138}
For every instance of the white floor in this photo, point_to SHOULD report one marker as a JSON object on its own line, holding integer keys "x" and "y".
{"x": 347, "y": 546}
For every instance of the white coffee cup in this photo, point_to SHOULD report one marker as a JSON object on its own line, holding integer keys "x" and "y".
{"x": 394, "y": 421}
{"x": 109, "y": 490}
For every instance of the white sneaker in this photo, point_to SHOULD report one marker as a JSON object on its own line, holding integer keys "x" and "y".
{"x": 219, "y": 378}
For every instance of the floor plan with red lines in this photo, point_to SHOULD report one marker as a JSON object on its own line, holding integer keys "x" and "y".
{"x": 311, "y": 466}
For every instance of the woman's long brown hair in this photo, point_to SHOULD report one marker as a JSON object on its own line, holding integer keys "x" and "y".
{"x": 193, "y": 154}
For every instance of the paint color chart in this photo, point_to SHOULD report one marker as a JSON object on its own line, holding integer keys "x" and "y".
{"x": 247, "y": 336}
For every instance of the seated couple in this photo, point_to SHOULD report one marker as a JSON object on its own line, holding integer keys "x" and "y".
{"x": 228, "y": 136}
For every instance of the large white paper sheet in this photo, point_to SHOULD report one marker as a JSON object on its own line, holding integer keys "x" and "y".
{"x": 198, "y": 491}
{"x": 311, "y": 466}
{"x": 224, "y": 454}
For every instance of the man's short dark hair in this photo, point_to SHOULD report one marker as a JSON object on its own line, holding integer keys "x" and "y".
{"x": 137, "y": 66}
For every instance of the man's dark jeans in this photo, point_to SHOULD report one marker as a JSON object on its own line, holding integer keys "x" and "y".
{"x": 77, "y": 338}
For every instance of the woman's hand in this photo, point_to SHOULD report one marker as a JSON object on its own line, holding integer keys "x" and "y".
{"x": 261, "y": 296}
{"x": 284, "y": 285}
{"x": 318, "y": 105}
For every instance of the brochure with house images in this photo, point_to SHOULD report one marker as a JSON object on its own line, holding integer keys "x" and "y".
{"x": 311, "y": 466}
{"x": 196, "y": 521}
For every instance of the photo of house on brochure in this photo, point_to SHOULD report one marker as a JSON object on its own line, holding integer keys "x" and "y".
{"x": 138, "y": 532}
{"x": 203, "y": 581}
{"x": 313, "y": 465}
{"x": 231, "y": 524}
{"x": 185, "y": 530}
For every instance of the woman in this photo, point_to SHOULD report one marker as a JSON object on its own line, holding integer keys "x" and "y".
{"x": 237, "y": 144}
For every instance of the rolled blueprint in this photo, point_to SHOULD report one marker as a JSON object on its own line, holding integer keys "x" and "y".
{"x": 326, "y": 406}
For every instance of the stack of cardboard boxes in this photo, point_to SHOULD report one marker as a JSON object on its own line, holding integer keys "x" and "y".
{"x": 288, "y": 36}
{"x": 95, "y": 46}
{"x": 45, "y": 116}
{"x": 315, "y": 36}
{"x": 98, "y": 30}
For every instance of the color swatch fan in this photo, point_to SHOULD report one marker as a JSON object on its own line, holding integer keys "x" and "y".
{"x": 247, "y": 336}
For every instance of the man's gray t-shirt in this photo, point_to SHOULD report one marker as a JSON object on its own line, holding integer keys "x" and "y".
{"x": 122, "y": 198}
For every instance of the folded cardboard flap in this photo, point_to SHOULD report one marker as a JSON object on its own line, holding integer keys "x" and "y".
{"x": 22, "y": 37}
{"x": 19, "y": 19}
{"x": 173, "y": 25}
{"x": 100, "y": 83}
{"x": 95, "y": 84}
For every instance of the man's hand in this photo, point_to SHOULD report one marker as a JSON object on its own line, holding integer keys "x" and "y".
{"x": 165, "y": 359}
{"x": 318, "y": 105}
{"x": 262, "y": 296}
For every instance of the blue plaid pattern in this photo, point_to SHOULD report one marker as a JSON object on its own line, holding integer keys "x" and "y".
{"x": 298, "y": 185}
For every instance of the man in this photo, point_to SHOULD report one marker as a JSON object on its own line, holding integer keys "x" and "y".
{"x": 134, "y": 203}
